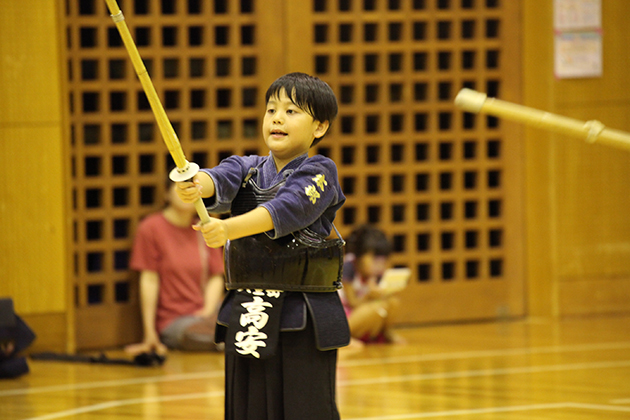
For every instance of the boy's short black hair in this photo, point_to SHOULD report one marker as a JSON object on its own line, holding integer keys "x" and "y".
{"x": 366, "y": 239}
{"x": 309, "y": 93}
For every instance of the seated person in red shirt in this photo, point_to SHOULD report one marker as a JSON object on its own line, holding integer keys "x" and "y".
{"x": 181, "y": 280}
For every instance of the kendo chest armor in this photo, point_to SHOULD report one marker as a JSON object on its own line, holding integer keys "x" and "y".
{"x": 302, "y": 261}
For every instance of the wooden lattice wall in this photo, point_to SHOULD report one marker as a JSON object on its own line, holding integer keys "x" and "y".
{"x": 445, "y": 186}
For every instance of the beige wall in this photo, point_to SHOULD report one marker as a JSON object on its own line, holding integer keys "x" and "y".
{"x": 34, "y": 217}
{"x": 578, "y": 195}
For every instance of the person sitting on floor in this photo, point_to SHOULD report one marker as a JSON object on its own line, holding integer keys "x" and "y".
{"x": 369, "y": 307}
{"x": 181, "y": 280}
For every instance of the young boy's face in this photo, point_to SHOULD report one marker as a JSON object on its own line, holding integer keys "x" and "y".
{"x": 288, "y": 130}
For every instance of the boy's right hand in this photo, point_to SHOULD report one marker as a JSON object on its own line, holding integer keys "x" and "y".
{"x": 189, "y": 192}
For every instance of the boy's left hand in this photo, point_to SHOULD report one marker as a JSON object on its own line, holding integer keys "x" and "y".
{"x": 189, "y": 192}
{"x": 214, "y": 232}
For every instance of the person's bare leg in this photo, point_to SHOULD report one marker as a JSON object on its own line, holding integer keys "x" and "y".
{"x": 367, "y": 319}
{"x": 393, "y": 303}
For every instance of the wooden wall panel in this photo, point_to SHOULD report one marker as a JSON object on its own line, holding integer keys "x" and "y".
{"x": 124, "y": 325}
{"x": 53, "y": 330}
{"x": 446, "y": 187}
{"x": 577, "y": 194}
{"x": 33, "y": 255}
{"x": 30, "y": 63}
{"x": 584, "y": 296}
{"x": 34, "y": 222}
{"x": 210, "y": 63}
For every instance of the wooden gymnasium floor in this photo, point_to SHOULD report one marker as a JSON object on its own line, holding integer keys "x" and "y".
{"x": 576, "y": 369}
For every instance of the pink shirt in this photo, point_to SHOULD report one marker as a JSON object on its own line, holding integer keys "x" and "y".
{"x": 175, "y": 254}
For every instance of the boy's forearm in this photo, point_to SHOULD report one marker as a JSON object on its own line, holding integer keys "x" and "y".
{"x": 207, "y": 184}
{"x": 251, "y": 223}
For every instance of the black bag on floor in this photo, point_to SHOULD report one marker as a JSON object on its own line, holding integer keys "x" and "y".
{"x": 15, "y": 336}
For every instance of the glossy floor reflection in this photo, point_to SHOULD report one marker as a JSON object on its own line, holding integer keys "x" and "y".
{"x": 576, "y": 369}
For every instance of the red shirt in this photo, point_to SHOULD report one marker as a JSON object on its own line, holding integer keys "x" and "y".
{"x": 175, "y": 254}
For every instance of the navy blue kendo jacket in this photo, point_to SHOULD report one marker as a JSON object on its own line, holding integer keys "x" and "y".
{"x": 309, "y": 198}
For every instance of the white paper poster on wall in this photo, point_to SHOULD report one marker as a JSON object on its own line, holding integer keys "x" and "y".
{"x": 578, "y": 54}
{"x": 578, "y": 45}
{"x": 570, "y": 15}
